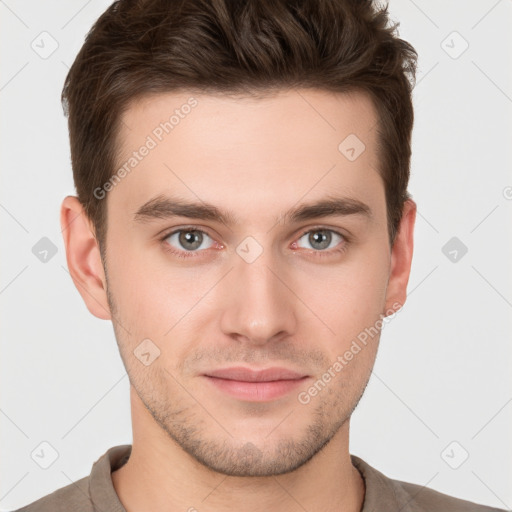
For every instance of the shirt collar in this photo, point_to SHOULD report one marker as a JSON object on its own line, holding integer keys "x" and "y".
{"x": 383, "y": 493}
{"x": 101, "y": 489}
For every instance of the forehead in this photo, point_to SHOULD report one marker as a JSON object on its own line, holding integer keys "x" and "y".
{"x": 251, "y": 154}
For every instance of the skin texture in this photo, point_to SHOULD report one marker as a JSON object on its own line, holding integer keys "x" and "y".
{"x": 194, "y": 445}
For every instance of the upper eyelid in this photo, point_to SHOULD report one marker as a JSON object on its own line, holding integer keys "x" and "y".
{"x": 325, "y": 228}
{"x": 173, "y": 231}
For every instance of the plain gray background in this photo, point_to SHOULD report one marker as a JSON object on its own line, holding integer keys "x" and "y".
{"x": 441, "y": 390}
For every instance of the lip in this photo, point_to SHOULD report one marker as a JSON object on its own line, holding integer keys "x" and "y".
{"x": 242, "y": 374}
{"x": 255, "y": 385}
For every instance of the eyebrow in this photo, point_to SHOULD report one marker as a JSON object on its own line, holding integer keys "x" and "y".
{"x": 167, "y": 207}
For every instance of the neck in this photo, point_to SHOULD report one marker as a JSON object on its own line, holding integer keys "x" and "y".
{"x": 161, "y": 477}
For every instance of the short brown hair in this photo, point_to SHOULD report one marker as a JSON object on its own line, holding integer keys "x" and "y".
{"x": 141, "y": 47}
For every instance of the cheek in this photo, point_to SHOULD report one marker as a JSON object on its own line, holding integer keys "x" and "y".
{"x": 347, "y": 297}
{"x": 143, "y": 294}
{"x": 159, "y": 301}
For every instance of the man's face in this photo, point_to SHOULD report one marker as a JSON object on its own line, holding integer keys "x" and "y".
{"x": 264, "y": 291}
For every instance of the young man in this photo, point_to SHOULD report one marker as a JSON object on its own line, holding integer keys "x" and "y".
{"x": 243, "y": 219}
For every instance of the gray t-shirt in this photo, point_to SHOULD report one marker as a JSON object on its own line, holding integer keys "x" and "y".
{"x": 96, "y": 493}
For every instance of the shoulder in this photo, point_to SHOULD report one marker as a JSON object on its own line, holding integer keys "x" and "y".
{"x": 429, "y": 500}
{"x": 96, "y": 489}
{"x": 74, "y": 496}
{"x": 392, "y": 495}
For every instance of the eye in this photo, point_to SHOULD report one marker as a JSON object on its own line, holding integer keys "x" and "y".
{"x": 186, "y": 240}
{"x": 321, "y": 238}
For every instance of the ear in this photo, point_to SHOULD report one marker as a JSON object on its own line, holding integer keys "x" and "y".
{"x": 401, "y": 259}
{"x": 83, "y": 257}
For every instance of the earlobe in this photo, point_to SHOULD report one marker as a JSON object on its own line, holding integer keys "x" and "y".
{"x": 401, "y": 259}
{"x": 83, "y": 257}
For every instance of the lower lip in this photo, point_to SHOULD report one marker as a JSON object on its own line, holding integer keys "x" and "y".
{"x": 256, "y": 391}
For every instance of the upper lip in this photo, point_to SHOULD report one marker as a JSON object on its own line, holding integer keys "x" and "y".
{"x": 247, "y": 375}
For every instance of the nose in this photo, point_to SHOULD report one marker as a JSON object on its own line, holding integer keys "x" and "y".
{"x": 261, "y": 305}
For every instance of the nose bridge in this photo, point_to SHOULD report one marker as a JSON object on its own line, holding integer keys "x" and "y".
{"x": 260, "y": 305}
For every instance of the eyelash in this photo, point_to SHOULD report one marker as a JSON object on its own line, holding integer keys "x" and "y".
{"x": 320, "y": 254}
